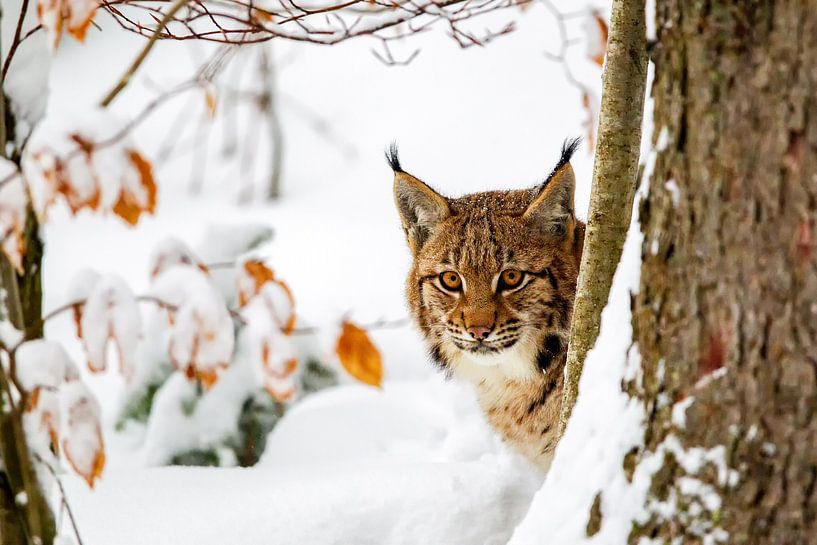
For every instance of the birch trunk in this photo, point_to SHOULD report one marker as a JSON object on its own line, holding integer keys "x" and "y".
{"x": 614, "y": 175}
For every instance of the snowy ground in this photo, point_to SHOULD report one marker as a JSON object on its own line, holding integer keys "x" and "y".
{"x": 415, "y": 462}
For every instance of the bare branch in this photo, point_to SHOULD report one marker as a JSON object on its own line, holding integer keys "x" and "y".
{"x": 15, "y": 42}
{"x": 63, "y": 496}
{"x": 137, "y": 62}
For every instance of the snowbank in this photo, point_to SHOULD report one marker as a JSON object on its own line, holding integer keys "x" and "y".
{"x": 411, "y": 464}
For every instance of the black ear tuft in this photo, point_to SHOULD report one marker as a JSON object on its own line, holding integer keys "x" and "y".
{"x": 392, "y": 158}
{"x": 569, "y": 147}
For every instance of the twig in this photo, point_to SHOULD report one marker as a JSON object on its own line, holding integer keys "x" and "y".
{"x": 28, "y": 331}
{"x": 378, "y": 324}
{"x": 16, "y": 40}
{"x": 63, "y": 497}
{"x": 561, "y": 58}
{"x": 137, "y": 62}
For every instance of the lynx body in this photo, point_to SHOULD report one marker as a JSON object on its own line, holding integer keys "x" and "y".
{"x": 491, "y": 288}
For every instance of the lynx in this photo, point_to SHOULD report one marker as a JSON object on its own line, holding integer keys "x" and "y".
{"x": 491, "y": 288}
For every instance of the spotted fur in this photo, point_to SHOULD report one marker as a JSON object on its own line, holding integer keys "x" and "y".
{"x": 518, "y": 368}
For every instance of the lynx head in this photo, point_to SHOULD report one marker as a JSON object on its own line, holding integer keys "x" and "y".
{"x": 494, "y": 274}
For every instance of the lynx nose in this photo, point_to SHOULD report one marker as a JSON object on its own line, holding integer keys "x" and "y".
{"x": 479, "y": 332}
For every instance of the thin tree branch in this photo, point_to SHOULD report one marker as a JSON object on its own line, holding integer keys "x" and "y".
{"x": 140, "y": 58}
{"x": 16, "y": 40}
{"x": 63, "y": 497}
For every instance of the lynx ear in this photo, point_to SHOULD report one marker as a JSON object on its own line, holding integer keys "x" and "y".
{"x": 420, "y": 207}
{"x": 552, "y": 208}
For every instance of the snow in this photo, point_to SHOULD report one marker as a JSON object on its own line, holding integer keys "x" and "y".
{"x": 83, "y": 283}
{"x": 456, "y": 504}
{"x": 413, "y": 463}
{"x": 171, "y": 252}
{"x": 675, "y": 192}
{"x": 27, "y": 77}
{"x": 43, "y": 363}
{"x": 679, "y": 409}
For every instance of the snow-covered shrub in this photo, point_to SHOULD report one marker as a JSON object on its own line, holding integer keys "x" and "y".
{"x": 241, "y": 369}
{"x": 207, "y": 354}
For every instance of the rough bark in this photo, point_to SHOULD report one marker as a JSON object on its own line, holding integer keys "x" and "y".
{"x": 614, "y": 176}
{"x": 726, "y": 317}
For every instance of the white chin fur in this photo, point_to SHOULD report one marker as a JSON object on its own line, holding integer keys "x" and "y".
{"x": 516, "y": 363}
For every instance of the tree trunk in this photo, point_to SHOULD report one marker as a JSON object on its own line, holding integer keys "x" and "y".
{"x": 726, "y": 317}
{"x": 614, "y": 176}
{"x": 25, "y": 515}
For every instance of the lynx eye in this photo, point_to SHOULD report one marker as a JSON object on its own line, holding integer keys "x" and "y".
{"x": 450, "y": 281}
{"x": 510, "y": 279}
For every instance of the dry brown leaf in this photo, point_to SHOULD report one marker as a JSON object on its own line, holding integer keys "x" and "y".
{"x": 597, "y": 44}
{"x": 54, "y": 14}
{"x": 130, "y": 206}
{"x": 589, "y": 123}
{"x": 81, "y": 431}
{"x": 279, "y": 384}
{"x": 210, "y": 102}
{"x": 259, "y": 274}
{"x": 45, "y": 414}
{"x": 13, "y": 206}
{"x": 76, "y": 310}
{"x": 289, "y": 325}
{"x": 358, "y": 355}
{"x": 207, "y": 378}
{"x": 97, "y": 464}
{"x": 255, "y": 275}
{"x": 260, "y": 15}
{"x": 33, "y": 399}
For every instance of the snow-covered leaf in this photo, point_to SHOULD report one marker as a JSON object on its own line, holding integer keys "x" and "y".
{"x": 358, "y": 354}
{"x": 80, "y": 431}
{"x": 111, "y": 314}
{"x": 201, "y": 336}
{"x": 252, "y": 274}
{"x": 171, "y": 252}
{"x": 257, "y": 280}
{"x": 74, "y": 15}
{"x": 268, "y": 347}
{"x": 13, "y": 202}
{"x": 86, "y": 157}
{"x": 43, "y": 364}
{"x": 138, "y": 193}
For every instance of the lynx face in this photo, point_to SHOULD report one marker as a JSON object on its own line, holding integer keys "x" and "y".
{"x": 494, "y": 274}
